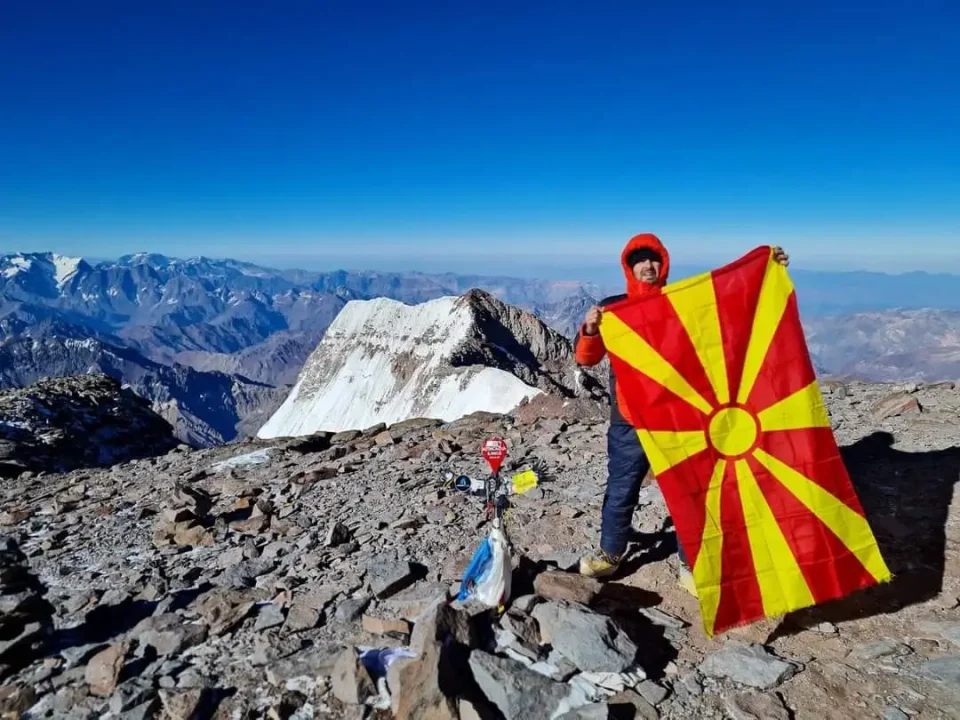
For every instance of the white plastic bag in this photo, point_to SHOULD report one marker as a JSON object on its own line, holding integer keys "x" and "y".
{"x": 487, "y": 580}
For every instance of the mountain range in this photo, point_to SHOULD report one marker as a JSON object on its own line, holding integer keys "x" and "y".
{"x": 216, "y": 344}
{"x": 213, "y": 344}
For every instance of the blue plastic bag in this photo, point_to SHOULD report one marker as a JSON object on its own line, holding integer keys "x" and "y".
{"x": 487, "y": 577}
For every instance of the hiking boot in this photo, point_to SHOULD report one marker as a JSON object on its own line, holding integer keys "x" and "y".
{"x": 599, "y": 565}
{"x": 685, "y": 580}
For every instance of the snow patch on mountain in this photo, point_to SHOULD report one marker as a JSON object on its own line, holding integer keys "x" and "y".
{"x": 16, "y": 264}
{"x": 65, "y": 267}
{"x": 385, "y": 361}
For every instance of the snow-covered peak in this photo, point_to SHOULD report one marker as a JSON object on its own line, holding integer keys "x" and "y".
{"x": 144, "y": 258}
{"x": 14, "y": 265}
{"x": 40, "y": 270}
{"x": 384, "y": 361}
{"x": 65, "y": 267}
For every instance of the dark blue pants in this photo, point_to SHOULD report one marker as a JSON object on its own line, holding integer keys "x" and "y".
{"x": 627, "y": 464}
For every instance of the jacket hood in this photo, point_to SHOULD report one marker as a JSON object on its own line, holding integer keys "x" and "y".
{"x": 635, "y": 288}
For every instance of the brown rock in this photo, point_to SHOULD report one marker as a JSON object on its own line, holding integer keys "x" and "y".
{"x": 416, "y": 689}
{"x": 385, "y": 438}
{"x": 14, "y": 701}
{"x": 231, "y": 618}
{"x": 351, "y": 682}
{"x": 385, "y": 626}
{"x": 554, "y": 585}
{"x": 223, "y": 610}
{"x": 316, "y": 596}
{"x": 192, "y": 534}
{"x": 300, "y": 617}
{"x": 252, "y": 525}
{"x": 757, "y": 706}
{"x": 894, "y": 405}
{"x": 181, "y": 704}
{"x": 104, "y": 668}
{"x": 344, "y": 436}
{"x": 14, "y": 517}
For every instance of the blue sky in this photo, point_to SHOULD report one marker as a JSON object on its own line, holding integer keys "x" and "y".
{"x": 365, "y": 134}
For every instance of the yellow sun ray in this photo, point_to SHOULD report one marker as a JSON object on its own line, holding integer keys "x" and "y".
{"x": 848, "y": 525}
{"x": 782, "y": 585}
{"x": 667, "y": 449}
{"x": 707, "y": 568}
{"x": 802, "y": 409}
{"x": 622, "y": 341}
{"x": 774, "y": 294}
{"x": 696, "y": 307}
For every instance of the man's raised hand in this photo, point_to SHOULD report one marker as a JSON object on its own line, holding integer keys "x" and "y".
{"x": 591, "y": 323}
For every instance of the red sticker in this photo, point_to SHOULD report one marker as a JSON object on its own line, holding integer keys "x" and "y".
{"x": 494, "y": 451}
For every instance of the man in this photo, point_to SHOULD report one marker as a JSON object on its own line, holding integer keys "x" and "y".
{"x": 646, "y": 264}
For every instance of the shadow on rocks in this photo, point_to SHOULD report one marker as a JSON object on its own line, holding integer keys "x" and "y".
{"x": 103, "y": 623}
{"x": 648, "y": 548}
{"x": 623, "y": 604}
{"x": 106, "y": 622}
{"x": 906, "y": 497}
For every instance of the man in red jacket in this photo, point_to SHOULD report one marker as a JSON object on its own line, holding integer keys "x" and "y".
{"x": 646, "y": 264}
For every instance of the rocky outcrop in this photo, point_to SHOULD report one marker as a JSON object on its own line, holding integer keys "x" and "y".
{"x": 83, "y": 421}
{"x": 509, "y": 338}
{"x": 316, "y": 577}
{"x": 204, "y": 408}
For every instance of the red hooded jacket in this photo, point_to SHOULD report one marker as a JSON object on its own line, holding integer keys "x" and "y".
{"x": 589, "y": 349}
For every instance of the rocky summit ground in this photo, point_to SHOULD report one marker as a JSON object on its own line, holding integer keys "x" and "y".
{"x": 245, "y": 581}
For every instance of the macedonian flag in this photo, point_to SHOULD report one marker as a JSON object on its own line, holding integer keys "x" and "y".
{"x": 716, "y": 375}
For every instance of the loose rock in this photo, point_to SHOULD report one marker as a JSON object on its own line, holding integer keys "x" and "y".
{"x": 553, "y": 585}
{"x": 749, "y": 665}
{"x": 591, "y": 641}
{"x": 387, "y": 577}
{"x": 518, "y": 693}
{"x": 104, "y": 668}
{"x": 351, "y": 682}
{"x": 757, "y": 706}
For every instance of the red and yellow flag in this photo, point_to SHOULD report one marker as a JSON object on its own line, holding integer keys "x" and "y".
{"x": 716, "y": 373}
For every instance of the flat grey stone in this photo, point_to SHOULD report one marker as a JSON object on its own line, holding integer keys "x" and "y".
{"x": 945, "y": 669}
{"x": 652, "y": 692}
{"x": 592, "y": 642}
{"x": 880, "y": 649}
{"x": 750, "y": 665}
{"x": 388, "y": 576}
{"x": 351, "y": 609}
{"x": 313, "y": 662}
{"x": 268, "y": 616}
{"x": 518, "y": 693}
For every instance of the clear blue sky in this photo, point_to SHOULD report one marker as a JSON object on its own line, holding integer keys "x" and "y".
{"x": 349, "y": 130}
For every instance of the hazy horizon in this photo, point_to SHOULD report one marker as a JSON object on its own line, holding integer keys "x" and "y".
{"x": 606, "y": 274}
